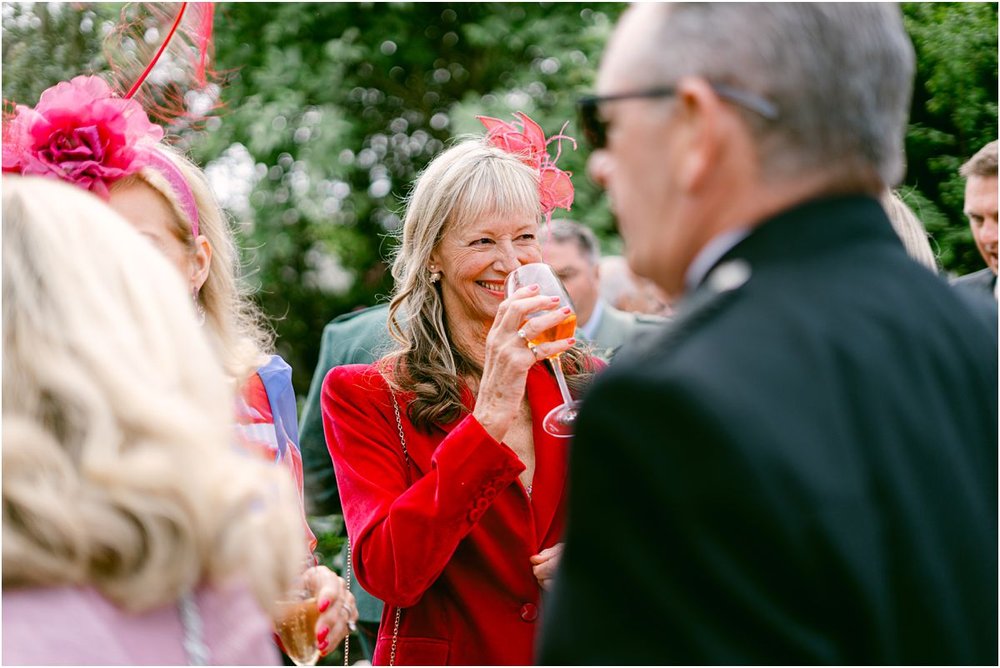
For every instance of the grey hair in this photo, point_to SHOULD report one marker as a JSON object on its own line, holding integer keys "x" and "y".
{"x": 563, "y": 230}
{"x": 983, "y": 163}
{"x": 840, "y": 75}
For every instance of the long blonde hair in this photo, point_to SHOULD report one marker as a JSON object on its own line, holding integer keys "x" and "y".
{"x": 465, "y": 183}
{"x": 119, "y": 469}
{"x": 909, "y": 229}
{"x": 235, "y": 324}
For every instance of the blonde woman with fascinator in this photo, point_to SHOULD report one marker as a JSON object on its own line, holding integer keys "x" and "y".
{"x": 133, "y": 531}
{"x": 452, "y": 492}
{"x": 81, "y": 131}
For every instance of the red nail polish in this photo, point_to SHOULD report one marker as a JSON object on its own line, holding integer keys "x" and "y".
{"x": 321, "y": 636}
{"x": 567, "y": 310}
{"x": 572, "y": 342}
{"x": 323, "y": 605}
{"x": 555, "y": 299}
{"x": 322, "y": 646}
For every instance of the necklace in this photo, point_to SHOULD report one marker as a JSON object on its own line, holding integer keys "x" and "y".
{"x": 528, "y": 490}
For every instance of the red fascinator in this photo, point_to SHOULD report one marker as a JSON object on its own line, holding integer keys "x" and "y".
{"x": 525, "y": 138}
{"x": 85, "y": 132}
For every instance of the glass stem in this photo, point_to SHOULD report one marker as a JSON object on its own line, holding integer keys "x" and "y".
{"x": 560, "y": 378}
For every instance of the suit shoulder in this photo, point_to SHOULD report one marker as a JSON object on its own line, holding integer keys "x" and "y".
{"x": 371, "y": 316}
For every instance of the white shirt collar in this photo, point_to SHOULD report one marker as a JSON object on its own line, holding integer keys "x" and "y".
{"x": 710, "y": 254}
{"x": 587, "y": 330}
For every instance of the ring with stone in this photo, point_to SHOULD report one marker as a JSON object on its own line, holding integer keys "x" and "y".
{"x": 524, "y": 336}
{"x": 534, "y": 349}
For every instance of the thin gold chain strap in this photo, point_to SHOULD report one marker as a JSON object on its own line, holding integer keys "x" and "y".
{"x": 406, "y": 455}
{"x": 347, "y": 584}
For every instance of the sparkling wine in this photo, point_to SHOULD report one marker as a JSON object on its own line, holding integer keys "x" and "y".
{"x": 563, "y": 330}
{"x": 296, "y": 627}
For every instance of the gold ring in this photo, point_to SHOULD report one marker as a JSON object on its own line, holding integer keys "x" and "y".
{"x": 534, "y": 350}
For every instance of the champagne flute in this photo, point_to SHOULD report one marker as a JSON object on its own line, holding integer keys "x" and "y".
{"x": 559, "y": 422}
{"x": 295, "y": 624}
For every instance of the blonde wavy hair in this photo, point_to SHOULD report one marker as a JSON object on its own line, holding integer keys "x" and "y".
{"x": 909, "y": 229}
{"x": 119, "y": 465}
{"x": 465, "y": 183}
{"x": 236, "y": 326}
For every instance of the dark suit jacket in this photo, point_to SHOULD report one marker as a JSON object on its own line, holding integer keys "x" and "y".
{"x": 981, "y": 282}
{"x": 359, "y": 337}
{"x": 802, "y": 470}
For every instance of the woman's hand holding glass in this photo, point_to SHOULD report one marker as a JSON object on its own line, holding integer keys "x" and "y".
{"x": 315, "y": 615}
{"x": 535, "y": 332}
{"x": 338, "y": 611}
{"x": 508, "y": 358}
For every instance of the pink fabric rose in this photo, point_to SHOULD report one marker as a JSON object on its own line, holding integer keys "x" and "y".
{"x": 82, "y": 133}
{"x": 555, "y": 189}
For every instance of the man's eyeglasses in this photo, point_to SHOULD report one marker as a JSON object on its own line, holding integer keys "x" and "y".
{"x": 595, "y": 128}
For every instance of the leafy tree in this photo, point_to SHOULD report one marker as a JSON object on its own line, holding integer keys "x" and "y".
{"x": 332, "y": 109}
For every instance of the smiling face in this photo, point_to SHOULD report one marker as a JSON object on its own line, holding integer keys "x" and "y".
{"x": 981, "y": 210}
{"x": 474, "y": 259}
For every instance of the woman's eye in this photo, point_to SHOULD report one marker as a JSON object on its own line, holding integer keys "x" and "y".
{"x": 527, "y": 237}
{"x": 482, "y": 242}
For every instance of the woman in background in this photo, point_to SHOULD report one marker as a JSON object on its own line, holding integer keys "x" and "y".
{"x": 133, "y": 532}
{"x": 168, "y": 200}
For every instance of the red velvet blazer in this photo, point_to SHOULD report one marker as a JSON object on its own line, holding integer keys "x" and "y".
{"x": 449, "y": 540}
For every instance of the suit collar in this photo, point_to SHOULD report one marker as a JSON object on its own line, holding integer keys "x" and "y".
{"x": 813, "y": 227}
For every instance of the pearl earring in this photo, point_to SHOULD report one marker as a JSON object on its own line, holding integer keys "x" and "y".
{"x": 435, "y": 276}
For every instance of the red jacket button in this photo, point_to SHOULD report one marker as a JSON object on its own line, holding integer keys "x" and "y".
{"x": 529, "y": 612}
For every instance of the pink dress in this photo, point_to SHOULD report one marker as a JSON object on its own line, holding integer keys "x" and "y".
{"x": 78, "y": 626}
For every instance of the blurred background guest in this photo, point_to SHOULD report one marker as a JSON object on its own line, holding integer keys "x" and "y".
{"x": 573, "y": 251}
{"x": 358, "y": 337}
{"x": 980, "y": 174}
{"x": 130, "y": 523}
{"x": 627, "y": 292}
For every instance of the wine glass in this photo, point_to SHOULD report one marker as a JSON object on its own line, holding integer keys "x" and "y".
{"x": 295, "y": 624}
{"x": 559, "y": 422}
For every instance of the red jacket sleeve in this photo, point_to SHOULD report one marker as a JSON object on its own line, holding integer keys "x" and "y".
{"x": 405, "y": 524}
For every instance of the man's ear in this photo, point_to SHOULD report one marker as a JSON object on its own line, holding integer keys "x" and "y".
{"x": 704, "y": 131}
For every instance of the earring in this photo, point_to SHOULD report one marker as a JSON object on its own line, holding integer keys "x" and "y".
{"x": 435, "y": 276}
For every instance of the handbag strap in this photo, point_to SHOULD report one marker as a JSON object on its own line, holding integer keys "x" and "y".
{"x": 347, "y": 580}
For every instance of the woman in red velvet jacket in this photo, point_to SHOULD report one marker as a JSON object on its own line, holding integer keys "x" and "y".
{"x": 458, "y": 532}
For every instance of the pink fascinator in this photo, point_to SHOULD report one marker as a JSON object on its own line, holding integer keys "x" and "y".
{"x": 84, "y": 132}
{"x": 525, "y": 138}
{"x": 81, "y": 133}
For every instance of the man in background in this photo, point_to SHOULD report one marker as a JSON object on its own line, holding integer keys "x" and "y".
{"x": 572, "y": 250}
{"x": 802, "y": 468}
{"x": 627, "y": 292}
{"x": 359, "y": 337}
{"x": 980, "y": 173}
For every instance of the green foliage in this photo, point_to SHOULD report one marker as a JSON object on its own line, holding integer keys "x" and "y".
{"x": 954, "y": 114}
{"x": 332, "y": 109}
